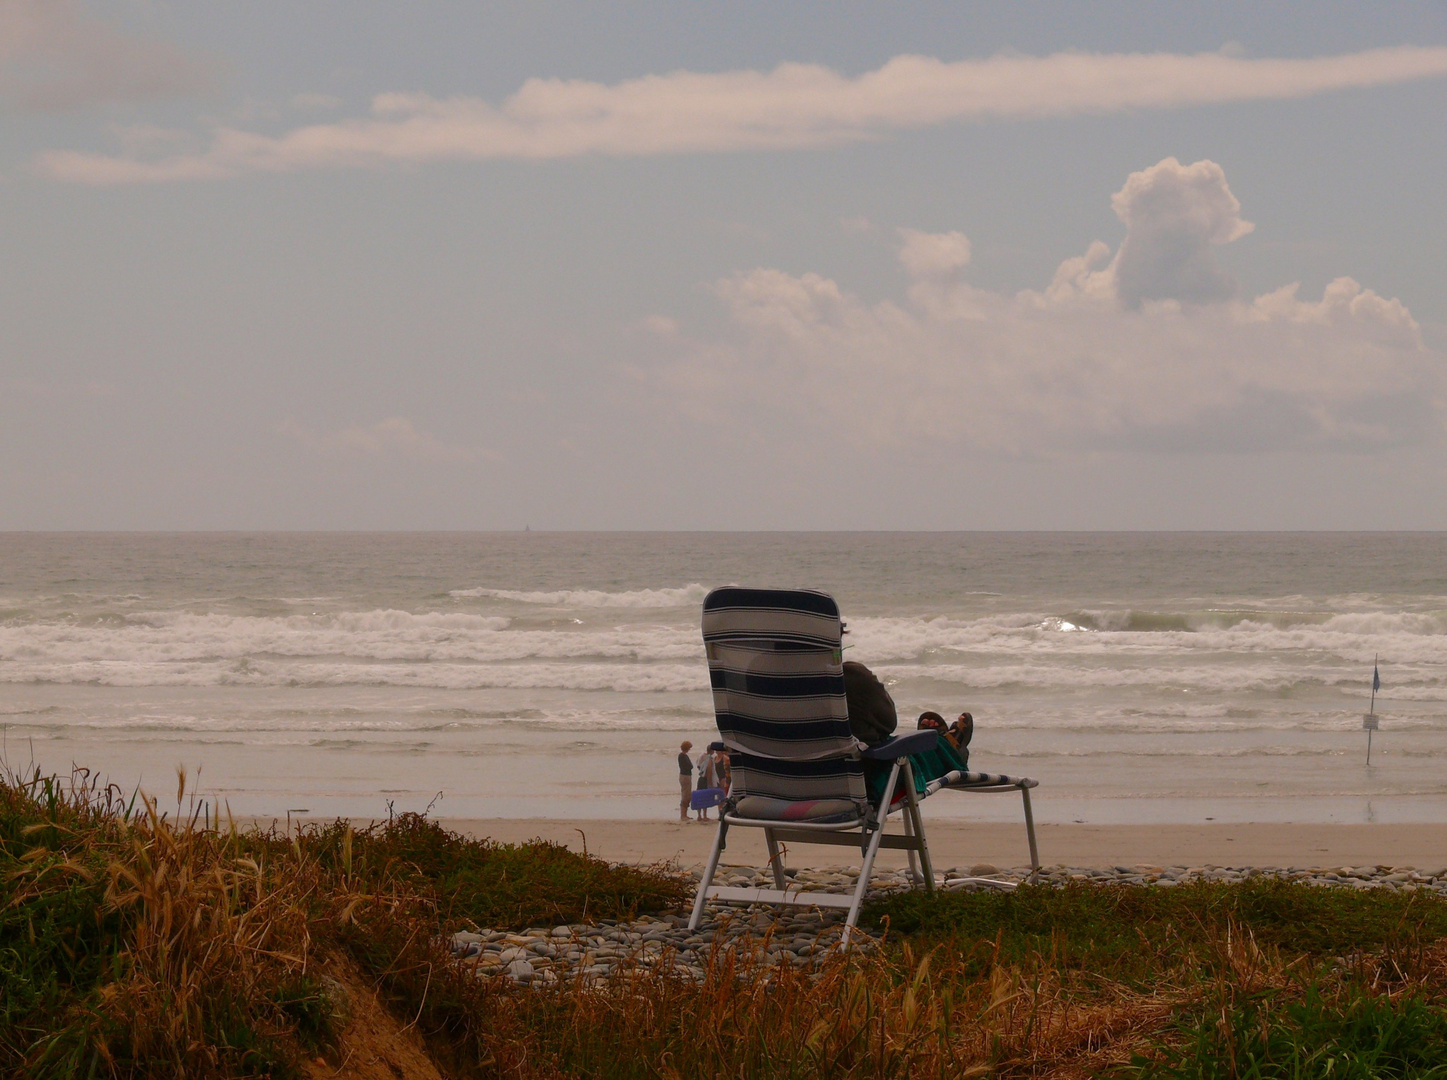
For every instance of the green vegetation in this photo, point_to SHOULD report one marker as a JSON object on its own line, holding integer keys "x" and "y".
{"x": 1352, "y": 1035}
{"x": 134, "y": 945}
{"x": 478, "y": 881}
{"x": 1263, "y": 979}
{"x": 1129, "y": 934}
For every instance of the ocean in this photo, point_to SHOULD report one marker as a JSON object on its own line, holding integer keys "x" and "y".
{"x": 1140, "y": 677}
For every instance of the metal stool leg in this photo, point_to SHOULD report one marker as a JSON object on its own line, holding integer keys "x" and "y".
{"x": 1030, "y": 831}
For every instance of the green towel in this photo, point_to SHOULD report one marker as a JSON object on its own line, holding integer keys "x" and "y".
{"x": 930, "y": 765}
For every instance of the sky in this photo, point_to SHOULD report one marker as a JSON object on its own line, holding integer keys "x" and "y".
{"x": 722, "y": 266}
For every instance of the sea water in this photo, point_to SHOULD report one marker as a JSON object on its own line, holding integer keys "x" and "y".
{"x": 1139, "y": 677}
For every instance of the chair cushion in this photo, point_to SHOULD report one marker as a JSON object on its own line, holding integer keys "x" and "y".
{"x": 762, "y": 808}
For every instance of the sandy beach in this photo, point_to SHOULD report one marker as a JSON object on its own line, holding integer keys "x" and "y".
{"x": 954, "y": 843}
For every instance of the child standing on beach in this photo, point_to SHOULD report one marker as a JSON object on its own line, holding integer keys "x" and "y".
{"x": 685, "y": 778}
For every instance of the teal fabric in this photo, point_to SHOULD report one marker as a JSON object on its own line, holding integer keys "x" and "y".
{"x": 931, "y": 765}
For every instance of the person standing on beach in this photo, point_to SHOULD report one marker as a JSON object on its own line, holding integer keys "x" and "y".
{"x": 722, "y": 768}
{"x": 685, "y": 778}
{"x": 711, "y": 778}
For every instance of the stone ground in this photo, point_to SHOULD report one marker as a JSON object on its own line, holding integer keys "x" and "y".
{"x": 541, "y": 956}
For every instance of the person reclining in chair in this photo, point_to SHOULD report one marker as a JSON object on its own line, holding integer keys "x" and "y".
{"x": 873, "y": 718}
{"x": 959, "y": 733}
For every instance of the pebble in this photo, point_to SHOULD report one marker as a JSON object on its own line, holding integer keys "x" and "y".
{"x": 802, "y": 937}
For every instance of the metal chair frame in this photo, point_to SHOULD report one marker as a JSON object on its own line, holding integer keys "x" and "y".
{"x": 868, "y": 828}
{"x": 866, "y": 833}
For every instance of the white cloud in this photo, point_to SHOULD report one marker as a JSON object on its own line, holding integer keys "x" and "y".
{"x": 1173, "y": 215}
{"x": 932, "y": 255}
{"x": 395, "y": 437}
{"x": 1104, "y": 358}
{"x": 54, "y": 56}
{"x": 792, "y": 106}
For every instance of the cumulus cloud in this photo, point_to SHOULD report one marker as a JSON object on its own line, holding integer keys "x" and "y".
{"x": 929, "y": 255}
{"x": 792, "y": 106}
{"x": 1173, "y": 214}
{"x": 395, "y": 438}
{"x": 1105, "y": 357}
{"x": 54, "y": 56}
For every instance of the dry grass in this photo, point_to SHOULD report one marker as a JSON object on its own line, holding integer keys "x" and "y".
{"x": 137, "y": 943}
{"x": 1235, "y": 1010}
{"x": 134, "y": 944}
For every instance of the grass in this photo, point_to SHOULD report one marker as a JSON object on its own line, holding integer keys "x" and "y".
{"x": 1129, "y": 933}
{"x": 133, "y": 944}
{"x": 486, "y": 883}
{"x": 136, "y": 944}
{"x": 1349, "y": 1035}
{"x": 1261, "y": 979}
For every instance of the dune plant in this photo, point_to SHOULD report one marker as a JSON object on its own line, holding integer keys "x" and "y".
{"x": 1128, "y": 933}
{"x": 137, "y": 942}
{"x": 487, "y": 883}
{"x": 140, "y": 942}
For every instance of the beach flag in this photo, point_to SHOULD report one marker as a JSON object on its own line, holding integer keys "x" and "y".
{"x": 1369, "y": 721}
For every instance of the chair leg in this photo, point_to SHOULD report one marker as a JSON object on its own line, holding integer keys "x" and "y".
{"x": 867, "y": 867}
{"x": 707, "y": 879}
{"x": 776, "y": 863}
{"x": 912, "y": 811}
{"x": 914, "y": 872}
{"x": 1030, "y": 831}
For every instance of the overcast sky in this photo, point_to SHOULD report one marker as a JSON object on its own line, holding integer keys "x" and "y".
{"x": 744, "y": 265}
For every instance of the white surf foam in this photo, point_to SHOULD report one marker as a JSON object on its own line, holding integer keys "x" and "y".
{"x": 686, "y": 596}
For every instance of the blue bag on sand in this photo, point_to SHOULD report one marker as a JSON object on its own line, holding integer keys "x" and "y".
{"x": 706, "y": 798}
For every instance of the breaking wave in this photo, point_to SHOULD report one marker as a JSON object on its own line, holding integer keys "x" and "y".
{"x": 1011, "y": 652}
{"x": 687, "y": 596}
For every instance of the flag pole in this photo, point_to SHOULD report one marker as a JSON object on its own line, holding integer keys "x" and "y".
{"x": 1370, "y": 721}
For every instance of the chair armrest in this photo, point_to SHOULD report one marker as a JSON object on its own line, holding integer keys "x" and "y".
{"x": 916, "y": 742}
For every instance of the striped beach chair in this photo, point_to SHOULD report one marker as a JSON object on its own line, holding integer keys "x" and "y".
{"x": 775, "y": 659}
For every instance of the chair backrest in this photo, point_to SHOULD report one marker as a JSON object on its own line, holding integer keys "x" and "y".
{"x": 776, "y": 666}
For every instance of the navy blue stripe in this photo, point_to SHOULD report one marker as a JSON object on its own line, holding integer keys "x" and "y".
{"x": 776, "y": 641}
{"x": 781, "y": 767}
{"x": 779, "y": 599}
{"x": 783, "y": 729}
{"x": 776, "y": 686}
